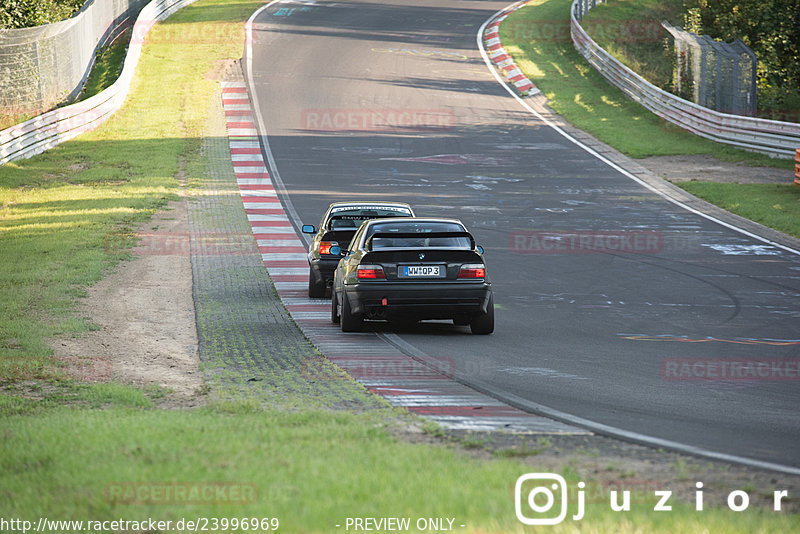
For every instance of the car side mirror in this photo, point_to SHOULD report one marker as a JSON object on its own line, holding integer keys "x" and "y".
{"x": 337, "y": 250}
{"x": 480, "y": 249}
{"x": 309, "y": 229}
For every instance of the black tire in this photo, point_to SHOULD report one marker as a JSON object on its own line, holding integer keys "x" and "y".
{"x": 334, "y": 308}
{"x": 316, "y": 290}
{"x": 483, "y": 323}
{"x": 349, "y": 321}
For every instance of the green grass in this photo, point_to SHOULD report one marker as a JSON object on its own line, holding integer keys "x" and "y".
{"x": 311, "y": 470}
{"x": 630, "y": 30}
{"x": 107, "y": 65}
{"x": 62, "y": 213}
{"x": 66, "y": 445}
{"x": 773, "y": 205}
{"x": 105, "y": 70}
{"x": 583, "y": 97}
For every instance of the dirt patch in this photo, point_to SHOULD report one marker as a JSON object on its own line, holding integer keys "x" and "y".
{"x": 222, "y": 69}
{"x": 710, "y": 169}
{"x": 145, "y": 316}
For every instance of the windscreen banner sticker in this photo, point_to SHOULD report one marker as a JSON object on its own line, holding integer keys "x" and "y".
{"x": 362, "y": 208}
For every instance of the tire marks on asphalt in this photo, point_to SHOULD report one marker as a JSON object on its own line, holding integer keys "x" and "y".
{"x": 381, "y": 367}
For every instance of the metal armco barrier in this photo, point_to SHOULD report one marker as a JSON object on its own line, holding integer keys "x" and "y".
{"x": 771, "y": 137}
{"x": 49, "y": 129}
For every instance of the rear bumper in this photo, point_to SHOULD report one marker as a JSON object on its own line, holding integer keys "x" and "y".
{"x": 422, "y": 301}
{"x": 322, "y": 269}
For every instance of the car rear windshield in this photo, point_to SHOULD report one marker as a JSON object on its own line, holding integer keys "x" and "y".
{"x": 423, "y": 241}
{"x": 344, "y": 218}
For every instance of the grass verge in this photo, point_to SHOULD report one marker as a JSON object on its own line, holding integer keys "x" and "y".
{"x": 102, "y": 452}
{"x": 576, "y": 91}
{"x": 107, "y": 66}
{"x": 105, "y": 70}
{"x": 773, "y": 205}
{"x": 310, "y": 470}
{"x": 630, "y": 30}
{"x": 63, "y": 213}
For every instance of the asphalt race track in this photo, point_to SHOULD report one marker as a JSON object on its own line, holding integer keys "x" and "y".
{"x": 604, "y": 290}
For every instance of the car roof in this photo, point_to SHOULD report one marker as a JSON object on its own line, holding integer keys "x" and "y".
{"x": 360, "y": 203}
{"x": 407, "y": 220}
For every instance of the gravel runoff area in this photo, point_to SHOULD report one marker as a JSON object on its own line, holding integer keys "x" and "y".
{"x": 210, "y": 310}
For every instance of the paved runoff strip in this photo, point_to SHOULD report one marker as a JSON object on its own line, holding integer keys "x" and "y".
{"x": 424, "y": 389}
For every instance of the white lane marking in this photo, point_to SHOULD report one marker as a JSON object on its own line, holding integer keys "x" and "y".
{"x": 541, "y": 371}
{"x": 274, "y": 230}
{"x": 528, "y": 424}
{"x": 287, "y": 202}
{"x": 242, "y": 132}
{"x": 294, "y": 285}
{"x": 442, "y": 400}
{"x": 605, "y": 160}
{"x": 255, "y": 217}
{"x": 279, "y": 271}
{"x": 282, "y": 256}
{"x": 279, "y": 243}
{"x": 249, "y": 169}
{"x": 257, "y": 193}
{"x": 254, "y": 181}
{"x": 743, "y": 250}
{"x": 245, "y": 157}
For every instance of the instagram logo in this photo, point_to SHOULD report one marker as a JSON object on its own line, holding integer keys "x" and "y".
{"x": 535, "y": 499}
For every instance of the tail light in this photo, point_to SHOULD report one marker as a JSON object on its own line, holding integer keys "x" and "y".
{"x": 472, "y": 270}
{"x": 374, "y": 272}
{"x": 325, "y": 246}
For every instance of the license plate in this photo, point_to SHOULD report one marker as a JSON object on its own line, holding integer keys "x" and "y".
{"x": 422, "y": 271}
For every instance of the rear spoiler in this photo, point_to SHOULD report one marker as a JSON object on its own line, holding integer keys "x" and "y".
{"x": 417, "y": 235}
{"x": 356, "y": 218}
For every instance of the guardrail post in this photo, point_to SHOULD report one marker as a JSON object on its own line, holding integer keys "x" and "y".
{"x": 797, "y": 166}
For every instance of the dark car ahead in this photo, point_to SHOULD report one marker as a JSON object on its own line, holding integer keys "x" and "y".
{"x": 338, "y": 225}
{"x": 408, "y": 270}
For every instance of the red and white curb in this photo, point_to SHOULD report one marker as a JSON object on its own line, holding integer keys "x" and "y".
{"x": 382, "y": 368}
{"x": 503, "y": 59}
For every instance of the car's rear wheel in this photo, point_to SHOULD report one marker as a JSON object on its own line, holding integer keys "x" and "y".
{"x": 316, "y": 290}
{"x": 334, "y": 308}
{"x": 483, "y": 323}
{"x": 349, "y": 321}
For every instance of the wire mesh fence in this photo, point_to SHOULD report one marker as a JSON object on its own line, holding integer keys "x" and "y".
{"x": 714, "y": 74}
{"x": 46, "y": 65}
{"x": 776, "y": 138}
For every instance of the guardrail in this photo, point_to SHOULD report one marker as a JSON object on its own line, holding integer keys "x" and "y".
{"x": 49, "y": 129}
{"x": 775, "y": 138}
{"x": 43, "y": 65}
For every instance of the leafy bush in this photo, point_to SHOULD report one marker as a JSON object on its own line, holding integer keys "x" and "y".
{"x": 27, "y": 13}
